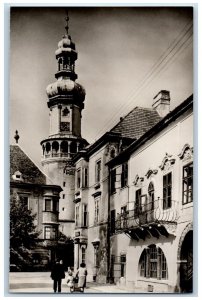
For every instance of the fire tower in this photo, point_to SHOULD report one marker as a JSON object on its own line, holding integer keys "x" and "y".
{"x": 65, "y": 102}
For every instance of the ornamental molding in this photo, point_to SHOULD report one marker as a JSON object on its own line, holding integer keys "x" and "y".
{"x": 151, "y": 172}
{"x": 186, "y": 153}
{"x": 138, "y": 180}
{"x": 167, "y": 162}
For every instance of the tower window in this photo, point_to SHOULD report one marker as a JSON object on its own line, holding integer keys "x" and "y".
{"x": 64, "y": 184}
{"x": 63, "y": 196}
{"x": 65, "y": 112}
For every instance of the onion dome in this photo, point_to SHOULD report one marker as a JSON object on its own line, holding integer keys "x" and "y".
{"x": 66, "y": 87}
{"x": 66, "y": 47}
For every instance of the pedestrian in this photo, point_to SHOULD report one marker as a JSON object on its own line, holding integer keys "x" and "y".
{"x": 57, "y": 274}
{"x": 82, "y": 273}
{"x": 70, "y": 279}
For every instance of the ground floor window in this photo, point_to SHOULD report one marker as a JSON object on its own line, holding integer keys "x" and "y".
{"x": 123, "y": 265}
{"x": 153, "y": 263}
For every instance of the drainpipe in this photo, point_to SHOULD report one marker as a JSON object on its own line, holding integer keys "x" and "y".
{"x": 108, "y": 229}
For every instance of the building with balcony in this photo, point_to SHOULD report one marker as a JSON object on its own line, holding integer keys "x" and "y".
{"x": 28, "y": 185}
{"x": 151, "y": 207}
{"x": 92, "y": 210}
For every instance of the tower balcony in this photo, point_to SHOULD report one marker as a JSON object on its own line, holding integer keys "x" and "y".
{"x": 60, "y": 148}
{"x": 152, "y": 219}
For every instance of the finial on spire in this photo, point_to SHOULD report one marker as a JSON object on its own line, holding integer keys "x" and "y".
{"x": 16, "y": 137}
{"x": 67, "y": 20}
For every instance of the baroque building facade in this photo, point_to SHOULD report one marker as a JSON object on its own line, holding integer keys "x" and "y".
{"x": 151, "y": 223}
{"x": 134, "y": 210}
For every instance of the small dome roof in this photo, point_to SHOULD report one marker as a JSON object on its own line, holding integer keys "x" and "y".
{"x": 66, "y": 87}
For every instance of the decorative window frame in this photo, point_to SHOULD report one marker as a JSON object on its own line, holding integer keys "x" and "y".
{"x": 186, "y": 155}
{"x": 138, "y": 181}
{"x": 167, "y": 163}
{"x": 151, "y": 173}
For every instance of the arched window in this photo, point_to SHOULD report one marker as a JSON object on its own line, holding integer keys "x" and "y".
{"x": 55, "y": 148}
{"x": 64, "y": 148}
{"x": 152, "y": 263}
{"x": 73, "y": 147}
{"x": 48, "y": 147}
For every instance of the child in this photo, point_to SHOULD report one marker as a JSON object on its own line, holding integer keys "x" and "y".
{"x": 70, "y": 279}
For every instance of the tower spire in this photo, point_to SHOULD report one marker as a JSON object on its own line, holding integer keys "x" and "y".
{"x": 16, "y": 137}
{"x": 67, "y": 21}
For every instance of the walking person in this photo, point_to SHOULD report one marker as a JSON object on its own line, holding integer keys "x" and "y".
{"x": 57, "y": 274}
{"x": 82, "y": 273}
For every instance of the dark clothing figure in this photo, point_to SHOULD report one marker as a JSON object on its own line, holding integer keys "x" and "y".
{"x": 57, "y": 275}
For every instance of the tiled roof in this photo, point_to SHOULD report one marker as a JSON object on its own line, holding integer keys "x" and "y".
{"x": 20, "y": 162}
{"x": 137, "y": 122}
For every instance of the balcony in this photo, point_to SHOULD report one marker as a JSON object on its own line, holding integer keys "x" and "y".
{"x": 151, "y": 219}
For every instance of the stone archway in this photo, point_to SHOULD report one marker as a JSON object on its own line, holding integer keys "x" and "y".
{"x": 185, "y": 259}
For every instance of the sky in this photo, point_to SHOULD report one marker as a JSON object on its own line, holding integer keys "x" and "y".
{"x": 126, "y": 55}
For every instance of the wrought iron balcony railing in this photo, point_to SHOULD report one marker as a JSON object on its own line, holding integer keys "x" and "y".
{"x": 156, "y": 212}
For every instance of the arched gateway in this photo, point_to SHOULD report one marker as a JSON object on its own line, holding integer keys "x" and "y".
{"x": 185, "y": 258}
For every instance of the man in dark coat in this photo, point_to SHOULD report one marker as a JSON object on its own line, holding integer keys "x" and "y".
{"x": 57, "y": 274}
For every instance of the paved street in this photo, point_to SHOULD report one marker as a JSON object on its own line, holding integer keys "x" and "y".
{"x": 40, "y": 282}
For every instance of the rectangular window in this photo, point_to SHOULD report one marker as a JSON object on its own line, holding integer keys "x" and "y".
{"x": 113, "y": 181}
{"x": 64, "y": 183}
{"x": 167, "y": 190}
{"x": 85, "y": 215}
{"x": 123, "y": 265}
{"x": 137, "y": 208}
{"x": 63, "y": 196}
{"x": 55, "y": 206}
{"x": 97, "y": 201}
{"x": 98, "y": 171}
{"x": 85, "y": 177}
{"x": 124, "y": 175}
{"x": 83, "y": 255}
{"x": 124, "y": 216}
{"x": 50, "y": 233}
{"x": 47, "y": 204}
{"x": 113, "y": 220}
{"x": 187, "y": 184}
{"x": 78, "y": 176}
{"x": 25, "y": 202}
{"x": 77, "y": 215}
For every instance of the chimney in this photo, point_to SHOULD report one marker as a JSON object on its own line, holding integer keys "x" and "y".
{"x": 161, "y": 103}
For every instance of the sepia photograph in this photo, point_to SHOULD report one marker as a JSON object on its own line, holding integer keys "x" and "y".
{"x": 101, "y": 140}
